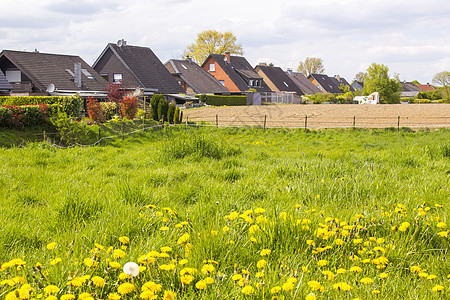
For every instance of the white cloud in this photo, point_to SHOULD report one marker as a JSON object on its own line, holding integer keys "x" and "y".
{"x": 408, "y": 36}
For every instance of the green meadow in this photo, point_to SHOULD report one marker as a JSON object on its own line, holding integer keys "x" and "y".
{"x": 223, "y": 213}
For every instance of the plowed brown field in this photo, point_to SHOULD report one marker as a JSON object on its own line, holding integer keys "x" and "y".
{"x": 326, "y": 115}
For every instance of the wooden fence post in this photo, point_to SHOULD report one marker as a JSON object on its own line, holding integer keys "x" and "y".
{"x": 99, "y": 134}
{"x": 354, "y": 121}
{"x": 306, "y": 122}
{"x": 44, "y": 136}
{"x": 187, "y": 118}
{"x": 265, "y": 119}
{"x": 123, "y": 137}
{"x": 217, "y": 120}
{"x": 398, "y": 123}
{"x": 143, "y": 123}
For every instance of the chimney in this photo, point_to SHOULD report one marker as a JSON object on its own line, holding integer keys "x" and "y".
{"x": 77, "y": 74}
{"x": 263, "y": 64}
{"x": 227, "y": 56}
{"x": 290, "y": 72}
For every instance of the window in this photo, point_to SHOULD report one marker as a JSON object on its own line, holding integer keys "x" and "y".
{"x": 87, "y": 74}
{"x": 105, "y": 76}
{"x": 212, "y": 67}
{"x": 222, "y": 82}
{"x": 184, "y": 66}
{"x": 250, "y": 82}
{"x": 13, "y": 76}
{"x": 285, "y": 84}
{"x": 117, "y": 78}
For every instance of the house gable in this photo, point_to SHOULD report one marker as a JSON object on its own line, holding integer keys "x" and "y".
{"x": 279, "y": 79}
{"x": 220, "y": 74}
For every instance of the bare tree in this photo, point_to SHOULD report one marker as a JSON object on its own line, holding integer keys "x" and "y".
{"x": 443, "y": 79}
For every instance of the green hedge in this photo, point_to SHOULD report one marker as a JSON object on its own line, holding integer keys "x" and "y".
{"x": 24, "y": 116}
{"x": 217, "y": 100}
{"x": 71, "y": 105}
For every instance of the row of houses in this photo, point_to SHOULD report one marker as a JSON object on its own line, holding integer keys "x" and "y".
{"x": 138, "y": 68}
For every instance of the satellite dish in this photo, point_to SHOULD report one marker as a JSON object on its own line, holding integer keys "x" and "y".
{"x": 120, "y": 43}
{"x": 51, "y": 88}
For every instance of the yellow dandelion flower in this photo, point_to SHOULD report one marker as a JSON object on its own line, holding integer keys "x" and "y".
{"x": 366, "y": 280}
{"x": 55, "y": 261}
{"x": 148, "y": 295}
{"x": 383, "y": 275}
{"x": 151, "y": 286}
{"x": 288, "y": 286}
{"x": 355, "y": 269}
{"x": 423, "y": 274}
{"x": 275, "y": 289}
{"x": 208, "y": 268}
{"x": 328, "y": 274}
{"x": 67, "y": 297}
{"x": 169, "y": 295}
{"x": 115, "y": 265}
{"x": 226, "y": 229}
{"x": 118, "y": 253}
{"x": 342, "y": 286}
{"x": 209, "y": 280}
{"x": 310, "y": 297}
{"x": 186, "y": 279}
{"x": 236, "y": 277}
{"x": 431, "y": 277}
{"x": 339, "y": 242}
{"x": 265, "y": 252}
{"x": 259, "y": 210}
{"x": 98, "y": 281}
{"x": 247, "y": 290}
{"x": 113, "y": 296}
{"x": 253, "y": 229}
{"x": 341, "y": 271}
{"x": 85, "y": 296}
{"x": 51, "y": 289}
{"x": 125, "y": 288}
{"x": 322, "y": 263}
{"x": 183, "y": 239}
{"x": 51, "y": 246}
{"x": 53, "y": 297}
{"x": 437, "y": 288}
{"x": 183, "y": 262}
{"x": 315, "y": 285}
{"x": 261, "y": 263}
{"x": 167, "y": 267}
{"x": 124, "y": 239}
{"x": 200, "y": 285}
{"x": 415, "y": 269}
{"x": 375, "y": 292}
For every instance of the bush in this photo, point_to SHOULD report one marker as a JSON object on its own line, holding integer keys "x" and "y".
{"x": 217, "y": 100}
{"x": 109, "y": 109}
{"x": 71, "y": 105}
{"x": 171, "y": 113}
{"x": 163, "y": 106}
{"x": 95, "y": 111}
{"x": 19, "y": 117}
{"x": 154, "y": 103}
{"x": 177, "y": 116}
{"x": 128, "y": 107}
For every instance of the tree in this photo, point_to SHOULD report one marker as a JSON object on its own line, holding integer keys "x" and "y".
{"x": 213, "y": 42}
{"x": 377, "y": 79}
{"x": 443, "y": 79}
{"x": 359, "y": 77}
{"x": 311, "y": 65}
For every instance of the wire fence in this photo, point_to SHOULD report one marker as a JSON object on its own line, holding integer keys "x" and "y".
{"x": 121, "y": 131}
{"x": 315, "y": 122}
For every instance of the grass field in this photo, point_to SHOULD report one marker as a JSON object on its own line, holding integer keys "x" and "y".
{"x": 212, "y": 213}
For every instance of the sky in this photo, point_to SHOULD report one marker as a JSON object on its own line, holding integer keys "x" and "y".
{"x": 411, "y": 37}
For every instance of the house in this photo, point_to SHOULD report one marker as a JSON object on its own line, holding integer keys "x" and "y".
{"x": 234, "y": 72}
{"x": 135, "y": 67}
{"x": 306, "y": 86}
{"x": 340, "y": 81}
{"x": 324, "y": 83}
{"x": 426, "y": 87}
{"x": 358, "y": 85}
{"x": 5, "y": 86}
{"x": 277, "y": 80}
{"x": 409, "y": 90}
{"x": 35, "y": 73}
{"x": 193, "y": 78}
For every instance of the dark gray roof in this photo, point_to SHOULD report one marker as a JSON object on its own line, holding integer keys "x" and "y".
{"x": 239, "y": 71}
{"x": 280, "y": 79}
{"x": 303, "y": 83}
{"x": 195, "y": 76}
{"x": 327, "y": 83}
{"x": 146, "y": 67}
{"x": 358, "y": 85}
{"x": 410, "y": 87}
{"x": 5, "y": 86}
{"x": 44, "y": 68}
{"x": 341, "y": 80}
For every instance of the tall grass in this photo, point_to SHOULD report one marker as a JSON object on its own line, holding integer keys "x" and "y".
{"x": 305, "y": 180}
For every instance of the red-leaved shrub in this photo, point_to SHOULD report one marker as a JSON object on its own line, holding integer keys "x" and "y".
{"x": 95, "y": 111}
{"x": 128, "y": 107}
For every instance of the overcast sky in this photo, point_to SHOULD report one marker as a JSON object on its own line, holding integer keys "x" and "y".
{"x": 411, "y": 37}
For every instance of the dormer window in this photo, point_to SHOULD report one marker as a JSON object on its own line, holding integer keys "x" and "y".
{"x": 285, "y": 84}
{"x": 87, "y": 74}
{"x": 13, "y": 76}
{"x": 250, "y": 82}
{"x": 212, "y": 67}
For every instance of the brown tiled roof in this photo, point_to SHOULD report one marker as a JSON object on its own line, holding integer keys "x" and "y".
{"x": 303, "y": 83}
{"x": 280, "y": 79}
{"x": 44, "y": 68}
{"x": 196, "y": 77}
{"x": 239, "y": 71}
{"x": 5, "y": 86}
{"x": 426, "y": 87}
{"x": 146, "y": 67}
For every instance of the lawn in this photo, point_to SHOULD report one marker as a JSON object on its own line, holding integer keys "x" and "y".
{"x": 222, "y": 213}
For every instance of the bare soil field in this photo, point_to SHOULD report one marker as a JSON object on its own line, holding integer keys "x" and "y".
{"x": 325, "y": 115}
